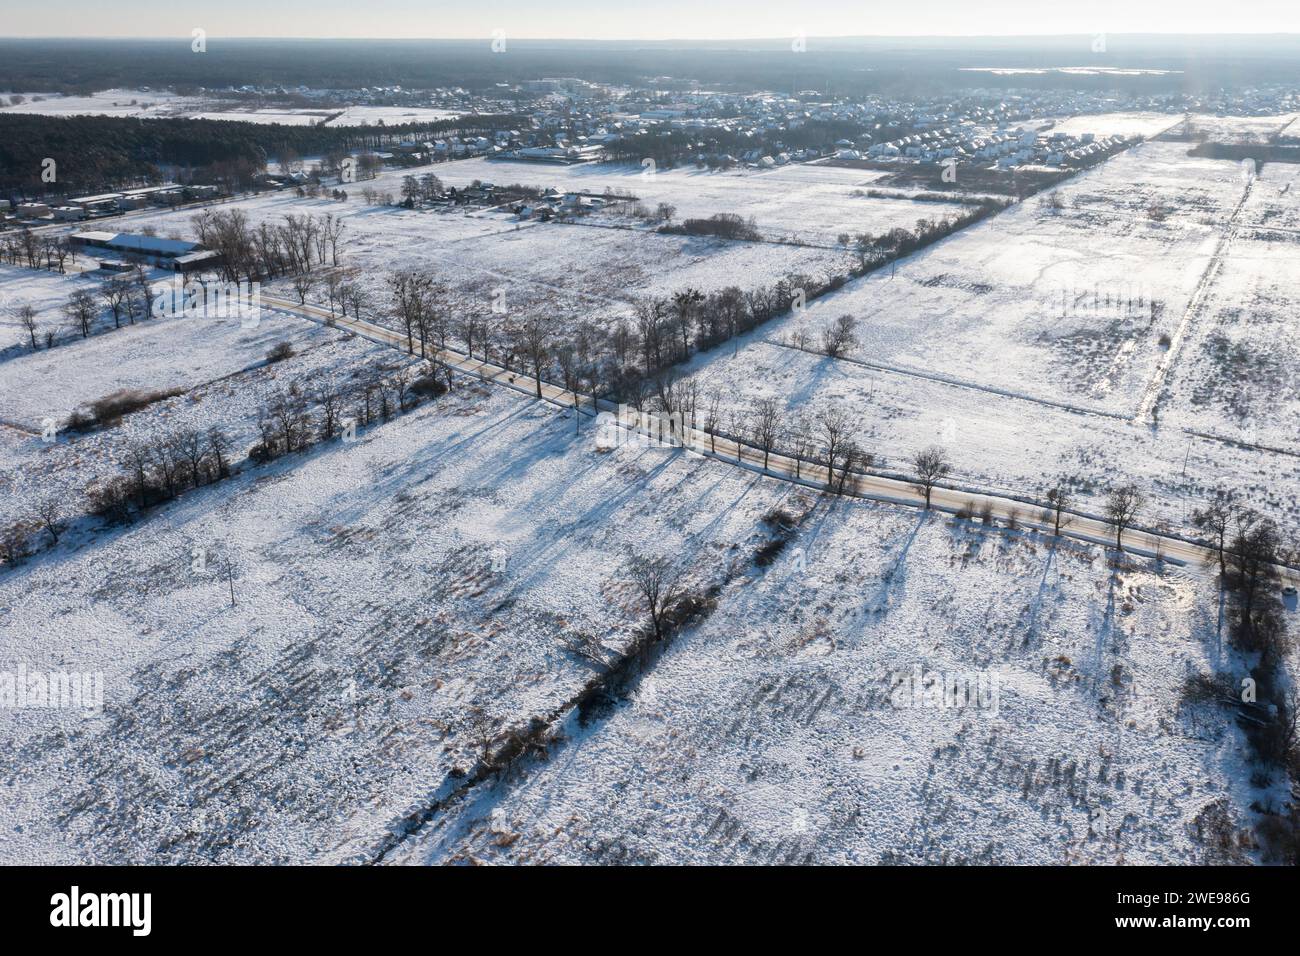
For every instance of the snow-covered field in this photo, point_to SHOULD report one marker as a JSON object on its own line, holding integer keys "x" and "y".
{"x": 396, "y": 595}
{"x": 1115, "y": 124}
{"x": 281, "y": 117}
{"x": 1019, "y": 302}
{"x": 145, "y": 104}
{"x": 390, "y": 591}
{"x": 390, "y": 115}
{"x": 1240, "y": 375}
{"x": 46, "y": 292}
{"x": 217, "y": 370}
{"x": 803, "y": 202}
{"x": 769, "y": 734}
{"x": 999, "y": 342}
{"x": 565, "y": 271}
{"x": 369, "y": 622}
{"x": 1239, "y": 129}
{"x": 128, "y": 103}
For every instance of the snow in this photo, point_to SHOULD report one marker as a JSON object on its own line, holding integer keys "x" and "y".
{"x": 116, "y": 102}
{"x": 390, "y": 115}
{"x": 968, "y": 345}
{"x": 1128, "y": 125}
{"x": 572, "y": 271}
{"x": 807, "y": 203}
{"x": 153, "y": 104}
{"x": 768, "y": 734}
{"x": 388, "y": 589}
{"x": 366, "y": 604}
{"x": 45, "y": 291}
{"x": 218, "y": 367}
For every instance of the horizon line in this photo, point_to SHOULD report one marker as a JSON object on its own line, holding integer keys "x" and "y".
{"x": 718, "y": 39}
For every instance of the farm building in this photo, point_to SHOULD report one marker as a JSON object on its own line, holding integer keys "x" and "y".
{"x": 177, "y": 255}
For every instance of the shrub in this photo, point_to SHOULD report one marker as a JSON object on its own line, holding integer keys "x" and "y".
{"x": 107, "y": 412}
{"x": 14, "y": 541}
{"x": 262, "y": 452}
{"x": 724, "y": 225}
{"x": 428, "y": 386}
{"x": 111, "y": 500}
{"x": 279, "y": 353}
{"x": 770, "y": 551}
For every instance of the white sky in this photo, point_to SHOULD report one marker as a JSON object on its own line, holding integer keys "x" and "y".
{"x": 627, "y": 19}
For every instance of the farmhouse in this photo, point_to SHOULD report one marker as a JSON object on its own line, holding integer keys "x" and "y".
{"x": 174, "y": 254}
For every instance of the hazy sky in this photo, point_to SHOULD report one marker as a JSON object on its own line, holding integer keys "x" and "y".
{"x": 620, "y": 19}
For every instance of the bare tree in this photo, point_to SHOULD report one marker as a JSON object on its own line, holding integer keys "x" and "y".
{"x": 931, "y": 466}
{"x": 413, "y": 296}
{"x": 1253, "y": 554}
{"x": 218, "y": 444}
{"x": 713, "y": 419}
{"x": 482, "y": 730}
{"x": 292, "y": 420}
{"x": 767, "y": 425}
{"x": 332, "y": 235}
{"x": 50, "y": 514}
{"x": 470, "y": 328}
{"x": 141, "y": 291}
{"x": 802, "y": 443}
{"x": 657, "y": 582}
{"x": 80, "y": 309}
{"x": 354, "y": 295}
{"x": 1216, "y": 519}
{"x": 402, "y": 382}
{"x": 140, "y": 457}
{"x": 117, "y": 297}
{"x": 193, "y": 447}
{"x": 588, "y": 647}
{"x": 27, "y": 319}
{"x": 303, "y": 283}
{"x": 1059, "y": 499}
{"x": 536, "y": 340}
{"x": 840, "y": 337}
{"x": 851, "y": 456}
{"x": 834, "y": 427}
{"x": 1122, "y": 506}
{"x": 328, "y": 399}
{"x": 334, "y": 293}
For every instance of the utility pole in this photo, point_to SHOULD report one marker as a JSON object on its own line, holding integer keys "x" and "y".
{"x": 230, "y": 579}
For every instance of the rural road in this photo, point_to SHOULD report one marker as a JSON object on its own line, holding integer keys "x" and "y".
{"x": 1028, "y": 514}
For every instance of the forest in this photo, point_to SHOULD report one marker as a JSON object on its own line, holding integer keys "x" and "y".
{"x": 100, "y": 152}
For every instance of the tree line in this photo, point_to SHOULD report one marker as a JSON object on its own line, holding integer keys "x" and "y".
{"x": 294, "y": 246}
{"x": 158, "y": 468}
{"x": 94, "y": 153}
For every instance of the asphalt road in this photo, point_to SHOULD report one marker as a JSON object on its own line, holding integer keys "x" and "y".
{"x": 1090, "y": 528}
